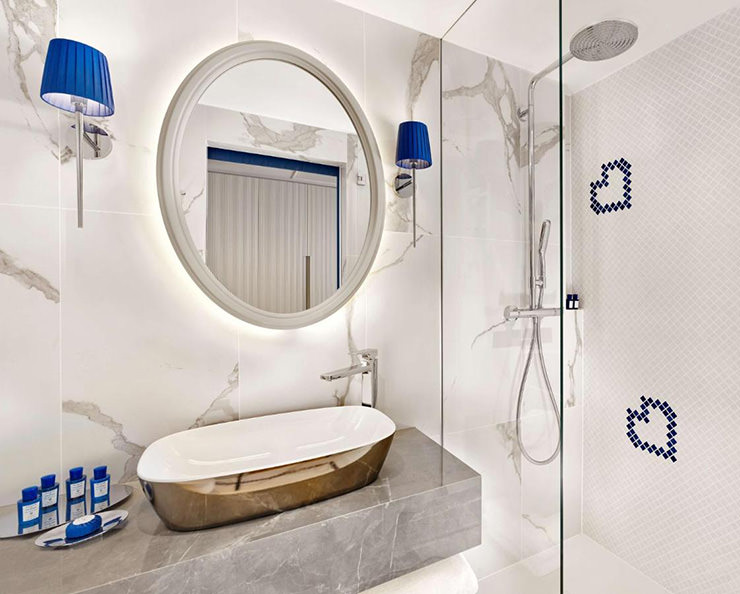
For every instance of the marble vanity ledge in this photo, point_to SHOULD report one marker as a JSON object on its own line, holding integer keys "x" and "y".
{"x": 425, "y": 506}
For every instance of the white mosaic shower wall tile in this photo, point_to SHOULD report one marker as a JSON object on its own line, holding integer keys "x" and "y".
{"x": 111, "y": 343}
{"x": 654, "y": 280}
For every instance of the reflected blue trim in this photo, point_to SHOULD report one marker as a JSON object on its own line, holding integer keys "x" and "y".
{"x": 218, "y": 154}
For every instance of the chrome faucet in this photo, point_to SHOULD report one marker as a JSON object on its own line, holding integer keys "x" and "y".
{"x": 368, "y": 364}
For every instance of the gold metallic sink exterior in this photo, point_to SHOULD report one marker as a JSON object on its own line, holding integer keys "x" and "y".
{"x": 214, "y": 502}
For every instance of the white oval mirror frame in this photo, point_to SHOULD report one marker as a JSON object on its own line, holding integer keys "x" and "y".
{"x": 170, "y": 141}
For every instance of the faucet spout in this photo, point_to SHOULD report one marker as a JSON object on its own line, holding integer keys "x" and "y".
{"x": 368, "y": 364}
{"x": 346, "y": 372}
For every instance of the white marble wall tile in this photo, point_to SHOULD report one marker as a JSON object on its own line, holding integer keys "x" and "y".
{"x": 144, "y": 352}
{"x": 485, "y": 269}
{"x": 327, "y": 30}
{"x": 484, "y": 194}
{"x": 29, "y": 253}
{"x": 281, "y": 368}
{"x": 148, "y": 60}
{"x": 540, "y": 515}
{"x": 484, "y": 355}
{"x": 403, "y": 324}
{"x": 371, "y": 56}
{"x": 29, "y": 349}
{"x": 143, "y": 355}
{"x": 227, "y": 128}
{"x": 492, "y": 452}
{"x": 402, "y": 83}
{"x": 29, "y": 154}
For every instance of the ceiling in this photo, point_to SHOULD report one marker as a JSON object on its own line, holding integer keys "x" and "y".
{"x": 525, "y": 32}
{"x": 432, "y": 17}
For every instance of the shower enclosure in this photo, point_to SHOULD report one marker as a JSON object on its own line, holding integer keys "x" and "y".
{"x": 605, "y": 433}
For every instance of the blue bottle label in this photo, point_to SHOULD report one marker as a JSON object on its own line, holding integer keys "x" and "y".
{"x": 76, "y": 489}
{"x": 50, "y": 497}
{"x": 100, "y": 489}
{"x": 30, "y": 511}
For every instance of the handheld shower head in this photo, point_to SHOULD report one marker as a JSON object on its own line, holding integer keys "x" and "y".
{"x": 544, "y": 236}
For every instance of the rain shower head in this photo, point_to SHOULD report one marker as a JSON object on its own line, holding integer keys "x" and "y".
{"x": 604, "y": 40}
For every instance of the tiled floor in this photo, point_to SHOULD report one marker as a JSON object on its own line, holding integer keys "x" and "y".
{"x": 589, "y": 569}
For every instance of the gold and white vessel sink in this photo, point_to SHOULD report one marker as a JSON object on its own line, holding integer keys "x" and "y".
{"x": 244, "y": 469}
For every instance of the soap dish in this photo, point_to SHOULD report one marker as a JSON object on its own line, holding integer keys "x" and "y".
{"x": 82, "y": 529}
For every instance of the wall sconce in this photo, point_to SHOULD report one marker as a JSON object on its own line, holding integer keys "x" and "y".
{"x": 412, "y": 152}
{"x": 76, "y": 79}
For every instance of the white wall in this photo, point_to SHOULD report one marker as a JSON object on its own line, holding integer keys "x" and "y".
{"x": 654, "y": 280}
{"x": 107, "y": 343}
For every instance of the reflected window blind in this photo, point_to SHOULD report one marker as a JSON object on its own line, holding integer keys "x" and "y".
{"x": 258, "y": 232}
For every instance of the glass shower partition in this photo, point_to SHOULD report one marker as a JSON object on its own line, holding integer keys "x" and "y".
{"x": 493, "y": 279}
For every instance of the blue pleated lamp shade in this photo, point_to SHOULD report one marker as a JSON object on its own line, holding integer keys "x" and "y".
{"x": 75, "y": 70}
{"x": 412, "y": 149}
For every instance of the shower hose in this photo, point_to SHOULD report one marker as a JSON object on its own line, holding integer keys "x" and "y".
{"x": 536, "y": 343}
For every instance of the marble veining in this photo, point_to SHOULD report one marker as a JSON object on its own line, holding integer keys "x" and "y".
{"x": 425, "y": 55}
{"x": 221, "y": 409}
{"x": 486, "y": 331}
{"x": 218, "y": 411}
{"x": 297, "y": 139}
{"x": 544, "y": 141}
{"x": 28, "y": 278}
{"x": 399, "y": 210}
{"x": 539, "y": 528}
{"x": 341, "y": 395}
{"x": 187, "y": 202}
{"x": 573, "y": 361}
{"x": 400, "y": 258}
{"x": 497, "y": 90}
{"x": 120, "y": 442}
{"x": 507, "y": 431}
{"x": 31, "y": 25}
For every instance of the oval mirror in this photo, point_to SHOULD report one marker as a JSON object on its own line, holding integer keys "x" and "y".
{"x": 270, "y": 184}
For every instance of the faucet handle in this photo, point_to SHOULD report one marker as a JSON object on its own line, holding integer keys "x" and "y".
{"x": 366, "y": 354}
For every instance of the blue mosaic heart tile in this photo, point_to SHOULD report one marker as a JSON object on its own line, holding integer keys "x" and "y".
{"x": 667, "y": 451}
{"x": 624, "y": 167}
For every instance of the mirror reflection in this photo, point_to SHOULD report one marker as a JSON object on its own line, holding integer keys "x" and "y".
{"x": 273, "y": 186}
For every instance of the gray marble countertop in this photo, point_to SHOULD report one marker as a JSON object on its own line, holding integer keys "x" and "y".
{"x": 416, "y": 467}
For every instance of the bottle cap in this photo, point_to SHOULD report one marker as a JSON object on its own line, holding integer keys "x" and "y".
{"x": 48, "y": 481}
{"x": 75, "y": 473}
{"x": 99, "y": 472}
{"x": 30, "y": 493}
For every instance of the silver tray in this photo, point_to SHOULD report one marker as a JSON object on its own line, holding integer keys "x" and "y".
{"x": 9, "y": 513}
